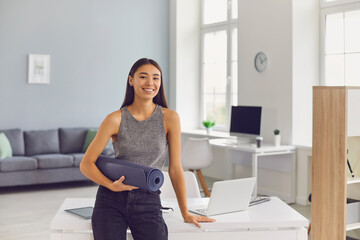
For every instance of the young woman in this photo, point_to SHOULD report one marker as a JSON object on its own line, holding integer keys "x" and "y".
{"x": 140, "y": 131}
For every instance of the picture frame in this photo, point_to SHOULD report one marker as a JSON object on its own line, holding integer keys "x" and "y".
{"x": 39, "y": 69}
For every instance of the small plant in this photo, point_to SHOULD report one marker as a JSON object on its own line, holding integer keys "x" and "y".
{"x": 276, "y": 131}
{"x": 208, "y": 124}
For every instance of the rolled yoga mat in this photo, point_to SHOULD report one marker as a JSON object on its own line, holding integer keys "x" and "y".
{"x": 136, "y": 175}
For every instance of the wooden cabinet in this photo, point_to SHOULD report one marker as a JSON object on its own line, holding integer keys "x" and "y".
{"x": 329, "y": 167}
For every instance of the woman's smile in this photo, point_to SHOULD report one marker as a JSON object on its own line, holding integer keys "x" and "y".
{"x": 146, "y": 81}
{"x": 149, "y": 90}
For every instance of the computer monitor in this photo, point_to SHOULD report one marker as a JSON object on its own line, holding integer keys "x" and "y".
{"x": 245, "y": 122}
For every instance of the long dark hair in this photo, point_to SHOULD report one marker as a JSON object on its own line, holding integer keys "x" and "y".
{"x": 159, "y": 99}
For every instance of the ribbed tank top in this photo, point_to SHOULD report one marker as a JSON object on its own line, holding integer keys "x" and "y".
{"x": 142, "y": 142}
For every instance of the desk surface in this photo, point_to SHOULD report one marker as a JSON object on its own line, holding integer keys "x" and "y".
{"x": 203, "y": 133}
{"x": 272, "y": 214}
{"x": 247, "y": 147}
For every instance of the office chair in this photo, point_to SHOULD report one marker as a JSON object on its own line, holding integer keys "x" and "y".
{"x": 192, "y": 187}
{"x": 196, "y": 154}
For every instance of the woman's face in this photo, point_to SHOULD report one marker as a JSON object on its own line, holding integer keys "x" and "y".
{"x": 146, "y": 81}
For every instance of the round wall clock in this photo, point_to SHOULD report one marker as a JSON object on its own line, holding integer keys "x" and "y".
{"x": 261, "y": 62}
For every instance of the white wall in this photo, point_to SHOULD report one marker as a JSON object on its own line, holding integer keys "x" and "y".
{"x": 306, "y": 67}
{"x": 306, "y": 74}
{"x": 303, "y": 174}
{"x": 267, "y": 26}
{"x": 353, "y": 117}
{"x": 185, "y": 60}
{"x": 92, "y": 44}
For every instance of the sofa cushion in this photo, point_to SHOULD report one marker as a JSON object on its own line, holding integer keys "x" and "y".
{"x": 54, "y": 161}
{"x": 91, "y": 133}
{"x": 77, "y": 158}
{"x": 5, "y": 147}
{"x": 72, "y": 139}
{"x": 16, "y": 139}
{"x": 18, "y": 163}
{"x": 41, "y": 142}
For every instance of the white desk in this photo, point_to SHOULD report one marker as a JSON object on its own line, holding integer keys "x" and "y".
{"x": 265, "y": 150}
{"x": 272, "y": 220}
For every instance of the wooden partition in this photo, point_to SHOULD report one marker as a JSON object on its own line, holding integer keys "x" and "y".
{"x": 328, "y": 206}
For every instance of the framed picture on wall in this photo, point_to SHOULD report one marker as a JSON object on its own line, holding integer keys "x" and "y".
{"x": 39, "y": 69}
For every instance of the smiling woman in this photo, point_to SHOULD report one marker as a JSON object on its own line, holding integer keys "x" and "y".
{"x": 160, "y": 98}
{"x": 141, "y": 131}
{"x": 146, "y": 81}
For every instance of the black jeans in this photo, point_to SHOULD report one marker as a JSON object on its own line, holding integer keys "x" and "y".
{"x": 140, "y": 210}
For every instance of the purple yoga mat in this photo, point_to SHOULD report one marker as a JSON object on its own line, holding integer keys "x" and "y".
{"x": 136, "y": 175}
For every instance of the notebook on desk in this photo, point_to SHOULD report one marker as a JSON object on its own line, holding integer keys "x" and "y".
{"x": 83, "y": 212}
{"x": 227, "y": 196}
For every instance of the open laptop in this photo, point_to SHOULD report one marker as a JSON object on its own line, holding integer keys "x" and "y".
{"x": 227, "y": 196}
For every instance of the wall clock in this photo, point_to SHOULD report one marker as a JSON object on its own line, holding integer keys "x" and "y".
{"x": 261, "y": 62}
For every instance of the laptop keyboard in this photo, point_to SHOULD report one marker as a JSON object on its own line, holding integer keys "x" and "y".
{"x": 201, "y": 210}
{"x": 259, "y": 199}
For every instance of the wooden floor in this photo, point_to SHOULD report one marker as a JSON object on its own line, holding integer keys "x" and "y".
{"x": 26, "y": 212}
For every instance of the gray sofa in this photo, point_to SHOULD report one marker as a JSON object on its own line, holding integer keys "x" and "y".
{"x": 44, "y": 156}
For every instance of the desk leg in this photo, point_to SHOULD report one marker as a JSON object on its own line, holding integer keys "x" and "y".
{"x": 254, "y": 172}
{"x": 231, "y": 168}
{"x": 293, "y": 189}
{"x": 302, "y": 234}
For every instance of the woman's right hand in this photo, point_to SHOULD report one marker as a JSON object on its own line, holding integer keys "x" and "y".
{"x": 119, "y": 186}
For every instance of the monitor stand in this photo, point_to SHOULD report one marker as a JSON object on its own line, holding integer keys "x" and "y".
{"x": 243, "y": 140}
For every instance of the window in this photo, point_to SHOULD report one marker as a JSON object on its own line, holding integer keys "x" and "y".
{"x": 218, "y": 61}
{"x": 341, "y": 44}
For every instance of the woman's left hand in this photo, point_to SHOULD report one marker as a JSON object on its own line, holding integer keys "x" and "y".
{"x": 195, "y": 219}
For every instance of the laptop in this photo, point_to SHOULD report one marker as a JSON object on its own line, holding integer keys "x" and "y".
{"x": 227, "y": 196}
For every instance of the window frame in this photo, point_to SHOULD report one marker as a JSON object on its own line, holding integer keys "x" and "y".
{"x": 229, "y": 25}
{"x": 324, "y": 4}
{"x": 340, "y": 6}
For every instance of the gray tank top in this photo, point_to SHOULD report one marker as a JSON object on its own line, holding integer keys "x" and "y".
{"x": 142, "y": 142}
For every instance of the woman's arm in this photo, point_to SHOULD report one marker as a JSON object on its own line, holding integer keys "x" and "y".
{"x": 107, "y": 129}
{"x": 172, "y": 123}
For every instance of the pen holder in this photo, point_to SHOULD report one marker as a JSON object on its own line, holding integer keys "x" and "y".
{"x": 277, "y": 140}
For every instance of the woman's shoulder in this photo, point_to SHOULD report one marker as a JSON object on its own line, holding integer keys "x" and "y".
{"x": 112, "y": 122}
{"x": 114, "y": 118}
{"x": 171, "y": 120}
{"x": 114, "y": 115}
{"x": 170, "y": 115}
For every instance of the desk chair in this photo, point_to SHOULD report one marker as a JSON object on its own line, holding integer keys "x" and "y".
{"x": 196, "y": 154}
{"x": 192, "y": 186}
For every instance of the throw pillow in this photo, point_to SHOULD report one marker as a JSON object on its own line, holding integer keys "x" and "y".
{"x": 41, "y": 142}
{"x": 5, "y": 147}
{"x": 16, "y": 139}
{"x": 89, "y": 137}
{"x": 72, "y": 139}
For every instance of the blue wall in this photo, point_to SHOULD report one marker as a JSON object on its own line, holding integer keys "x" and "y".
{"x": 92, "y": 43}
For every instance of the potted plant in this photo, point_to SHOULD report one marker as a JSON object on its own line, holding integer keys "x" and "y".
{"x": 277, "y": 138}
{"x": 208, "y": 125}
